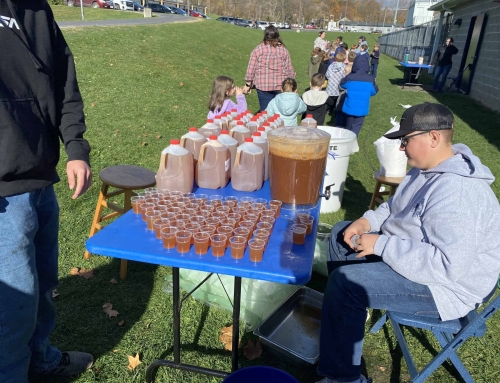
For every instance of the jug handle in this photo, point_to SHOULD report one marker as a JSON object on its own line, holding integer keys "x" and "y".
{"x": 183, "y": 140}
{"x": 163, "y": 161}
{"x": 237, "y": 159}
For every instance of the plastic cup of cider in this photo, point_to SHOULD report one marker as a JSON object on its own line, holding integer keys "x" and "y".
{"x": 168, "y": 237}
{"x": 218, "y": 242}
{"x": 299, "y": 233}
{"x": 158, "y": 224}
{"x": 256, "y": 249}
{"x": 201, "y": 241}
{"x": 183, "y": 239}
{"x": 237, "y": 245}
{"x": 308, "y": 222}
{"x": 276, "y": 205}
{"x": 136, "y": 203}
{"x": 150, "y": 217}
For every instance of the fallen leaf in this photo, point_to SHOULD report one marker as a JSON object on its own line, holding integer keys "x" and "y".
{"x": 381, "y": 368}
{"x": 87, "y": 274}
{"x": 55, "y": 293}
{"x": 144, "y": 135}
{"x": 181, "y": 84}
{"x": 158, "y": 137}
{"x": 176, "y": 106}
{"x": 113, "y": 281}
{"x": 74, "y": 271}
{"x": 108, "y": 309}
{"x": 92, "y": 104}
{"x": 133, "y": 362}
{"x": 120, "y": 323}
{"x": 110, "y": 64}
{"x": 115, "y": 350}
{"x": 252, "y": 350}
{"x": 227, "y": 337}
{"x": 144, "y": 144}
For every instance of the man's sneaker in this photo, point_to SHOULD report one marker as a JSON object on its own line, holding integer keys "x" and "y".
{"x": 71, "y": 363}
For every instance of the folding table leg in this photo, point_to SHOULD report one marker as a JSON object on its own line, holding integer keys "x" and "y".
{"x": 236, "y": 323}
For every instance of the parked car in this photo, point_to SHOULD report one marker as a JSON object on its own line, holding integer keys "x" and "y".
{"x": 159, "y": 8}
{"x": 204, "y": 16}
{"x": 310, "y": 26}
{"x": 226, "y": 19}
{"x": 242, "y": 23}
{"x": 123, "y": 5}
{"x": 284, "y": 26}
{"x": 194, "y": 13}
{"x": 262, "y": 24}
{"x": 178, "y": 11}
{"x": 90, "y": 3}
{"x": 137, "y": 6}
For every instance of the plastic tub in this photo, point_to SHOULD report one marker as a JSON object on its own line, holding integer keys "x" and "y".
{"x": 261, "y": 374}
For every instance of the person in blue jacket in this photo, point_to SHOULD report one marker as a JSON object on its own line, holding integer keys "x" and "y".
{"x": 360, "y": 87}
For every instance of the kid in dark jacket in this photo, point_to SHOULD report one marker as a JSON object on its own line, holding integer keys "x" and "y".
{"x": 317, "y": 100}
{"x": 360, "y": 86}
{"x": 314, "y": 62}
{"x": 375, "y": 56}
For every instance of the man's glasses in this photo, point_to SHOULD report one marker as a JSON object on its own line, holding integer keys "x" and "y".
{"x": 405, "y": 139}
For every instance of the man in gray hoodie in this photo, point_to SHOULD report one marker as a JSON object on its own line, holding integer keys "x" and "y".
{"x": 432, "y": 249}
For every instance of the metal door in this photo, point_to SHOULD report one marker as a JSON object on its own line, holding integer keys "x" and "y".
{"x": 471, "y": 51}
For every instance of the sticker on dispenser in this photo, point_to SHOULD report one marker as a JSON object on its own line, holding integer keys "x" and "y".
{"x": 226, "y": 164}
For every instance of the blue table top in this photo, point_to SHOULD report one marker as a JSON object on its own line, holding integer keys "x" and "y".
{"x": 415, "y": 65}
{"x": 283, "y": 262}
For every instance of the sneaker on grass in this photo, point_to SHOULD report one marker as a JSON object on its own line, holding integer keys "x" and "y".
{"x": 71, "y": 363}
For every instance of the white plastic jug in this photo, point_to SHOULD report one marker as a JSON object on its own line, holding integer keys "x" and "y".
{"x": 176, "y": 168}
{"x": 230, "y": 143}
{"x": 393, "y": 162}
{"x": 210, "y": 128}
{"x": 248, "y": 171}
{"x": 264, "y": 145}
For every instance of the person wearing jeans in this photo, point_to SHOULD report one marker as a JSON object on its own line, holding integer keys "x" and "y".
{"x": 40, "y": 105}
{"x": 268, "y": 67}
{"x": 421, "y": 252}
{"x": 443, "y": 62}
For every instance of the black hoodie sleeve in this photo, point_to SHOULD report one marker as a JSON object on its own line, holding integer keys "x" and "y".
{"x": 69, "y": 104}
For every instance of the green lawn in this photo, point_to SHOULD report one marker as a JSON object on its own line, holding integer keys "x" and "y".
{"x": 145, "y": 85}
{"x": 65, "y": 13}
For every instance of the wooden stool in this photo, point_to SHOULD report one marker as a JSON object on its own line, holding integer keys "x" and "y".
{"x": 125, "y": 178}
{"x": 393, "y": 182}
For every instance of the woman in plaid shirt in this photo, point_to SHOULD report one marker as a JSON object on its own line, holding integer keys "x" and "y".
{"x": 269, "y": 65}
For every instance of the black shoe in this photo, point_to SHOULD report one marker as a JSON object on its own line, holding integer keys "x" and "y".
{"x": 71, "y": 363}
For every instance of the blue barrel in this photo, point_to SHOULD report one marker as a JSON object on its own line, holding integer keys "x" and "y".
{"x": 260, "y": 374}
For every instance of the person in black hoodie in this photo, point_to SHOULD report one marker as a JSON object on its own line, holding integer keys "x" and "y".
{"x": 443, "y": 60}
{"x": 40, "y": 104}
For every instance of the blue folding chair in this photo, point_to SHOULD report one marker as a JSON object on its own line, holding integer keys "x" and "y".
{"x": 450, "y": 334}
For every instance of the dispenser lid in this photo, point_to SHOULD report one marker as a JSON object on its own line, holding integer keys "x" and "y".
{"x": 299, "y": 142}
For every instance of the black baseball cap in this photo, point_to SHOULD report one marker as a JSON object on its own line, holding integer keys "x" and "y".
{"x": 423, "y": 117}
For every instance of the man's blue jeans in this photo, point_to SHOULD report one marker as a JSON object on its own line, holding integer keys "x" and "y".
{"x": 443, "y": 72}
{"x": 29, "y": 225}
{"x": 265, "y": 97}
{"x": 353, "y": 285}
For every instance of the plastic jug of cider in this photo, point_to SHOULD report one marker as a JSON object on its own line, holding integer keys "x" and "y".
{"x": 234, "y": 113}
{"x": 262, "y": 131}
{"x": 222, "y": 124}
{"x": 252, "y": 125}
{"x": 248, "y": 170}
{"x": 239, "y": 133}
{"x": 234, "y": 122}
{"x": 273, "y": 123}
{"x": 227, "y": 117}
{"x": 279, "y": 120}
{"x": 268, "y": 126}
{"x": 176, "y": 169}
{"x": 192, "y": 141}
{"x": 309, "y": 122}
{"x": 264, "y": 145}
{"x": 210, "y": 129}
{"x": 265, "y": 115}
{"x": 230, "y": 143}
{"x": 212, "y": 170}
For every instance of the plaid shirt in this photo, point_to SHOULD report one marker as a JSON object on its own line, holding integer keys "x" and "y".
{"x": 269, "y": 66}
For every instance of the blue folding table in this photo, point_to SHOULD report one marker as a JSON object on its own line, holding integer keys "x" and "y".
{"x": 283, "y": 262}
{"x": 412, "y": 73}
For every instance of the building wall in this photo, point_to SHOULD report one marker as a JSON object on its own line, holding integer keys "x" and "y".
{"x": 486, "y": 82}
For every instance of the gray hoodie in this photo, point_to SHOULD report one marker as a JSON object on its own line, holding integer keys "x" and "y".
{"x": 441, "y": 229}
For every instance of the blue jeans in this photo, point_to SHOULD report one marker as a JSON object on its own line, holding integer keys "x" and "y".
{"x": 353, "y": 285}
{"x": 441, "y": 71}
{"x": 354, "y": 123}
{"x": 373, "y": 70}
{"x": 29, "y": 225}
{"x": 265, "y": 97}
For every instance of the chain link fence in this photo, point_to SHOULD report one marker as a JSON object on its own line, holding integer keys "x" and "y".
{"x": 417, "y": 41}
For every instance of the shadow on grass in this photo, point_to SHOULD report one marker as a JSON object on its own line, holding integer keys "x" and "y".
{"x": 483, "y": 120}
{"x": 81, "y": 323}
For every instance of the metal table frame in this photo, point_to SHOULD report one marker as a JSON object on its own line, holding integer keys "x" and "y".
{"x": 127, "y": 238}
{"x": 409, "y": 72}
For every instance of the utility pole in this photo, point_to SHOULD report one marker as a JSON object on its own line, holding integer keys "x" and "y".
{"x": 346, "y": 8}
{"x": 395, "y": 15}
{"x": 385, "y": 14}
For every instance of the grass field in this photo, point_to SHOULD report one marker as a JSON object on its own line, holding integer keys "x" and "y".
{"x": 144, "y": 85}
{"x": 65, "y": 13}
